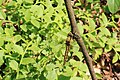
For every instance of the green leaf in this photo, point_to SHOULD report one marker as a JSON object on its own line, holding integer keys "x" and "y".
{"x": 1, "y": 41}
{"x": 68, "y": 71}
{"x": 27, "y": 15}
{"x": 105, "y": 31}
{"x": 8, "y": 77}
{"x": 9, "y": 32}
{"x": 89, "y": 43}
{"x": 83, "y": 67}
{"x": 1, "y": 57}
{"x": 35, "y": 23}
{"x": 37, "y": 10}
{"x": 43, "y": 61}
{"x": 29, "y": 1}
{"x": 102, "y": 42}
{"x": 80, "y": 27}
{"x": 113, "y": 5}
{"x": 34, "y": 48}
{"x": 79, "y": 55}
{"x": 115, "y": 58}
{"x": 91, "y": 23}
{"x": 52, "y": 75}
{"x": 1, "y": 1}
{"x": 104, "y": 18}
{"x": 57, "y": 48}
{"x": 117, "y": 47}
{"x": 50, "y": 67}
{"x": 99, "y": 76}
{"x": 23, "y": 27}
{"x": 62, "y": 77}
{"x": 19, "y": 1}
{"x": 76, "y": 78}
{"x": 26, "y": 61}
{"x": 86, "y": 27}
{"x": 48, "y": 3}
{"x": 12, "y": 4}
{"x": 2, "y": 15}
{"x": 92, "y": 37}
{"x": 108, "y": 48}
{"x": 98, "y": 53}
{"x": 14, "y": 65}
{"x": 32, "y": 36}
{"x": 17, "y": 38}
{"x": 1, "y": 30}
{"x": 61, "y": 34}
{"x": 74, "y": 72}
{"x": 18, "y": 49}
{"x": 112, "y": 41}
{"x": 38, "y": 40}
{"x": 8, "y": 47}
{"x": 103, "y": 38}
{"x": 45, "y": 52}
{"x": 47, "y": 17}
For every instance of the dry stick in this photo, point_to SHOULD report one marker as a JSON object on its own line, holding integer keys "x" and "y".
{"x": 78, "y": 38}
{"x": 68, "y": 41}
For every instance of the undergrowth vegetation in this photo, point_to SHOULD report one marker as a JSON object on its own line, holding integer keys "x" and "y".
{"x": 33, "y": 35}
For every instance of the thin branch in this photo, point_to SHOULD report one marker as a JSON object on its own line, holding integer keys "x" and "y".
{"x": 78, "y": 38}
{"x": 68, "y": 41}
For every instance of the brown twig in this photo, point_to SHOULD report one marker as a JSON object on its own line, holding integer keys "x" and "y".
{"x": 78, "y": 38}
{"x": 68, "y": 40}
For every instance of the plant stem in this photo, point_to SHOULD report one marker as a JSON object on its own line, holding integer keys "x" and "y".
{"x": 78, "y": 38}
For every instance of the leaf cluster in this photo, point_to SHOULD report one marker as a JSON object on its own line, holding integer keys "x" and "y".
{"x": 33, "y": 33}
